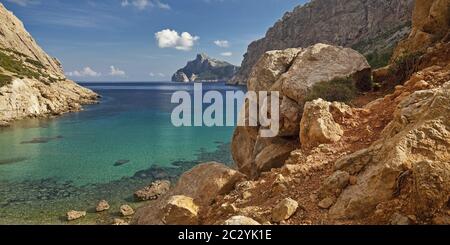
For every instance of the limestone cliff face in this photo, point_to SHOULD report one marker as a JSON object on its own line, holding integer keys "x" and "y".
{"x": 204, "y": 68}
{"x": 373, "y": 27}
{"x": 31, "y": 82}
{"x": 430, "y": 23}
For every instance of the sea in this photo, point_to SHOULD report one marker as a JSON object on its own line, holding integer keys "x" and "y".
{"x": 107, "y": 151}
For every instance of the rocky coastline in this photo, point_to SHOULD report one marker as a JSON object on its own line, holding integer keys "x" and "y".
{"x": 357, "y": 145}
{"x": 33, "y": 84}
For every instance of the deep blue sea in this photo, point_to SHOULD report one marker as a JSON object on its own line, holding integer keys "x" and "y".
{"x": 107, "y": 151}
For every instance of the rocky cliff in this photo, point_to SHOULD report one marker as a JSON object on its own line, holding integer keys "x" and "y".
{"x": 431, "y": 22}
{"x": 31, "y": 82}
{"x": 204, "y": 68}
{"x": 373, "y": 27}
{"x": 383, "y": 157}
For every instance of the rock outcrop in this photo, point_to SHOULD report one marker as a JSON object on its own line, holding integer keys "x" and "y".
{"x": 373, "y": 27}
{"x": 31, "y": 82}
{"x": 204, "y": 68}
{"x": 415, "y": 143}
{"x": 430, "y": 23}
{"x": 294, "y": 73}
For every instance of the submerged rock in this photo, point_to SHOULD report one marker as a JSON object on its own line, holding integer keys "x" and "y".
{"x": 121, "y": 162}
{"x": 154, "y": 191}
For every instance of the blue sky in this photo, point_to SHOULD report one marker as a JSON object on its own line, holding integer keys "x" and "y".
{"x": 144, "y": 40}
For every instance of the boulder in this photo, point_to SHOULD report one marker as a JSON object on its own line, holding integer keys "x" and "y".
{"x": 270, "y": 67}
{"x": 318, "y": 126}
{"x": 126, "y": 210}
{"x": 206, "y": 181}
{"x": 320, "y": 63}
{"x": 180, "y": 210}
{"x": 241, "y": 220}
{"x": 74, "y": 215}
{"x": 154, "y": 191}
{"x": 414, "y": 145}
{"x": 202, "y": 184}
{"x": 271, "y": 153}
{"x": 242, "y": 146}
{"x": 290, "y": 116}
{"x": 284, "y": 210}
{"x": 103, "y": 205}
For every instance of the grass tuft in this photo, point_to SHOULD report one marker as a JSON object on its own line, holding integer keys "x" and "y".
{"x": 339, "y": 89}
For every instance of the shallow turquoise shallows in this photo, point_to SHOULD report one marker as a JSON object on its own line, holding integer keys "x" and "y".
{"x": 105, "y": 152}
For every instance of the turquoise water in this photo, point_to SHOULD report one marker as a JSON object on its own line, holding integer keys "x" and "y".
{"x": 107, "y": 151}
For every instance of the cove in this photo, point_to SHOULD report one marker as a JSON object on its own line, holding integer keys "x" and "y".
{"x": 107, "y": 151}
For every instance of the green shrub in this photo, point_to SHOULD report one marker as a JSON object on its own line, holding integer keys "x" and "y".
{"x": 403, "y": 68}
{"x": 13, "y": 65}
{"x": 340, "y": 89}
{"x": 35, "y": 63}
{"x": 379, "y": 59}
{"x": 5, "y": 80}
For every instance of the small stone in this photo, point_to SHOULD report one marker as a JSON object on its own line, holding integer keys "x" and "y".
{"x": 120, "y": 222}
{"x": 412, "y": 218}
{"x": 74, "y": 215}
{"x": 279, "y": 188}
{"x": 353, "y": 180}
{"x": 228, "y": 208}
{"x": 246, "y": 195}
{"x": 284, "y": 210}
{"x": 326, "y": 203}
{"x": 241, "y": 220}
{"x": 313, "y": 197}
{"x": 126, "y": 210}
{"x": 103, "y": 205}
{"x": 441, "y": 220}
{"x": 399, "y": 219}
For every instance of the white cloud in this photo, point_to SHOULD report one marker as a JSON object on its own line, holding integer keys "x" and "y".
{"x": 161, "y": 74}
{"x": 116, "y": 72}
{"x": 85, "y": 72}
{"x": 23, "y": 2}
{"x": 151, "y": 74}
{"x": 171, "y": 39}
{"x": 222, "y": 43}
{"x": 226, "y": 54}
{"x": 143, "y": 4}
